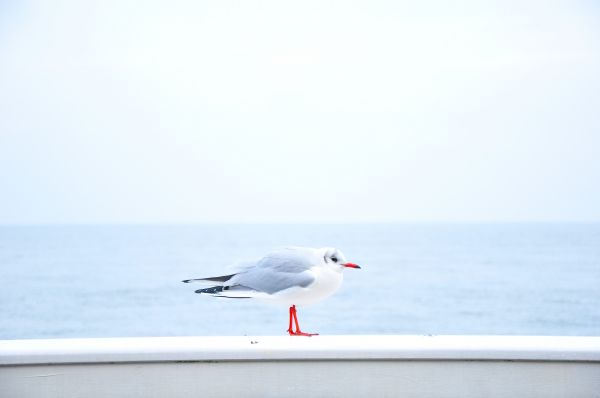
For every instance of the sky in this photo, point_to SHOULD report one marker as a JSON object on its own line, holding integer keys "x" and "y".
{"x": 320, "y": 112}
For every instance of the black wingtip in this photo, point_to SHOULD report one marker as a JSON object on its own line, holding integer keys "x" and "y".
{"x": 187, "y": 281}
{"x": 211, "y": 290}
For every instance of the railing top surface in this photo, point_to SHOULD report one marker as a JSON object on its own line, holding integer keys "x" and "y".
{"x": 268, "y": 348}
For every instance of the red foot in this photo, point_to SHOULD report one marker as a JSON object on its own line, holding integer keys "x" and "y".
{"x": 302, "y": 334}
{"x": 298, "y": 332}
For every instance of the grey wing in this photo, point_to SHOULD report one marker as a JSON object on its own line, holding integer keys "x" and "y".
{"x": 277, "y": 272}
{"x": 292, "y": 259}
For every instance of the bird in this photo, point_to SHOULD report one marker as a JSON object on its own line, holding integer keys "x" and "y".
{"x": 291, "y": 276}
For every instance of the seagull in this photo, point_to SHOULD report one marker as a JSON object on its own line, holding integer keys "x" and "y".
{"x": 290, "y": 276}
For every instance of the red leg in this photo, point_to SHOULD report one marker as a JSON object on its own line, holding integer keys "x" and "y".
{"x": 290, "y": 330}
{"x": 298, "y": 332}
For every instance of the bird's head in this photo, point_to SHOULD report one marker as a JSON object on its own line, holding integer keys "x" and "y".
{"x": 335, "y": 257}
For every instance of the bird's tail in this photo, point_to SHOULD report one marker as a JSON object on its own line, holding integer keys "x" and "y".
{"x": 221, "y": 287}
{"x": 218, "y": 280}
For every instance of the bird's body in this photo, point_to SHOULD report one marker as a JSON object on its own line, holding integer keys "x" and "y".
{"x": 295, "y": 275}
{"x": 325, "y": 283}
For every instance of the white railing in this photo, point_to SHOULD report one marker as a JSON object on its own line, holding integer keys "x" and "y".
{"x": 416, "y": 366}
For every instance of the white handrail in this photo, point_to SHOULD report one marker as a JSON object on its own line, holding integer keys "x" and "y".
{"x": 166, "y": 349}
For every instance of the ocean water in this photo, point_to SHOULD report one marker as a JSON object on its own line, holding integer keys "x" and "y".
{"x": 105, "y": 281}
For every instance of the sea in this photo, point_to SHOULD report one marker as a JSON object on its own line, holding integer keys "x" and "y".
{"x": 424, "y": 279}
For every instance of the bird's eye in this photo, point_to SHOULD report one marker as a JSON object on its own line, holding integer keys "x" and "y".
{"x": 334, "y": 259}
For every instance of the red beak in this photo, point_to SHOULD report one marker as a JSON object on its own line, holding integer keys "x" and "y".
{"x": 351, "y": 265}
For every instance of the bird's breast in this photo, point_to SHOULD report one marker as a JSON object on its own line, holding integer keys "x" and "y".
{"x": 326, "y": 282}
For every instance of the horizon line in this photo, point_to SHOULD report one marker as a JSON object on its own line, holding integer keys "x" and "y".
{"x": 225, "y": 223}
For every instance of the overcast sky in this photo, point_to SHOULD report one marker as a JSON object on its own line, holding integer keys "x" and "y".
{"x": 220, "y": 111}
